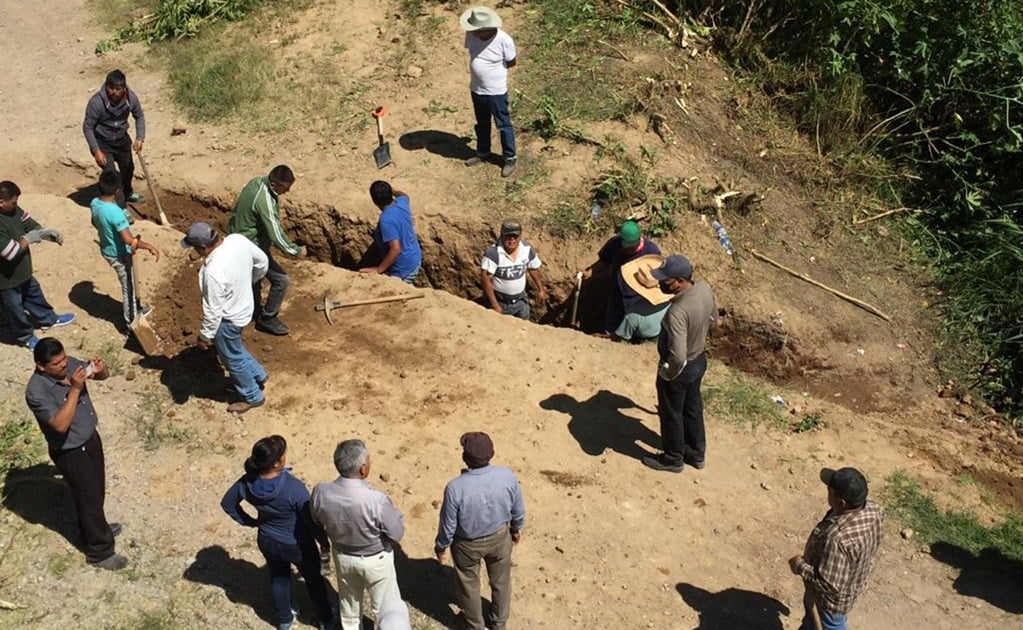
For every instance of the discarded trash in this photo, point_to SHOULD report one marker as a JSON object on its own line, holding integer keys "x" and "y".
{"x": 726, "y": 243}
{"x": 861, "y": 351}
{"x": 596, "y": 210}
{"x": 778, "y": 400}
{"x": 900, "y": 346}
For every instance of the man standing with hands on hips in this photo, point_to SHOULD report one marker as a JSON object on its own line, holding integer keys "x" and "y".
{"x": 59, "y": 399}
{"x": 491, "y": 54}
{"x": 682, "y": 347}
{"x": 481, "y": 519}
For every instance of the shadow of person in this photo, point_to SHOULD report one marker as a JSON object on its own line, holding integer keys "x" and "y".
{"x": 426, "y": 584}
{"x": 440, "y": 143}
{"x": 733, "y": 608}
{"x": 84, "y": 195}
{"x": 989, "y": 575}
{"x": 38, "y": 495}
{"x": 243, "y": 582}
{"x": 598, "y": 424}
{"x": 192, "y": 372}
{"x": 98, "y": 305}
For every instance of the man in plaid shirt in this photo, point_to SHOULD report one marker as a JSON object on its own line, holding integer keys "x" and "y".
{"x": 840, "y": 551}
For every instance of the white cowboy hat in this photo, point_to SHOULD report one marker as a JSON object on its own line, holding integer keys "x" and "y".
{"x": 479, "y": 18}
{"x": 636, "y": 274}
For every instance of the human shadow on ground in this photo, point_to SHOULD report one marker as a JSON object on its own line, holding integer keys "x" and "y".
{"x": 733, "y": 608}
{"x": 98, "y": 305}
{"x": 38, "y": 495}
{"x": 192, "y": 372}
{"x": 989, "y": 575}
{"x": 243, "y": 582}
{"x": 426, "y": 584}
{"x": 598, "y": 423}
{"x": 440, "y": 143}
{"x": 84, "y": 196}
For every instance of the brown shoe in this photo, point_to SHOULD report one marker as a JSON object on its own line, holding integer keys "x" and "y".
{"x": 242, "y": 406}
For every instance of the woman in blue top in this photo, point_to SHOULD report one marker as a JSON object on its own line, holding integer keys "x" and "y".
{"x": 287, "y": 534}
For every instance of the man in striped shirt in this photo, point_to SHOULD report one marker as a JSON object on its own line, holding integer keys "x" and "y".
{"x": 840, "y": 551}
{"x": 20, "y": 294}
{"x": 257, "y": 217}
{"x": 505, "y": 265}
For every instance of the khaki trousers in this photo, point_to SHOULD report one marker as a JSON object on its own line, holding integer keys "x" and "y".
{"x": 356, "y": 575}
{"x": 495, "y": 551}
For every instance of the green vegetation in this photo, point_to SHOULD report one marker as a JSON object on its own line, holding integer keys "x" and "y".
{"x": 912, "y": 507}
{"x": 919, "y": 101}
{"x": 21, "y": 444}
{"x": 173, "y": 19}
{"x": 809, "y": 422}
{"x": 156, "y": 429}
{"x": 59, "y": 564}
{"x": 742, "y": 401}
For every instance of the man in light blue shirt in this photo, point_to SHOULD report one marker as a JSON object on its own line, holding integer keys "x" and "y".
{"x": 481, "y": 520}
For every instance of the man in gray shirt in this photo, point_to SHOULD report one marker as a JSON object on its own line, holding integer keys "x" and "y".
{"x": 481, "y": 519}
{"x": 57, "y": 395}
{"x": 106, "y": 129}
{"x": 682, "y": 347}
{"x": 362, "y": 524}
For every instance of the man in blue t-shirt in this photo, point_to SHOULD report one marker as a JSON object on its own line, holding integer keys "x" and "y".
{"x": 116, "y": 242}
{"x": 395, "y": 234}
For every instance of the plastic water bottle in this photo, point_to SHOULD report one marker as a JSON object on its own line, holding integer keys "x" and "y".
{"x": 723, "y": 238}
{"x": 595, "y": 210}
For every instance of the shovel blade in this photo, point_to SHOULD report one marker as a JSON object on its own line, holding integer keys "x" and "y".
{"x": 145, "y": 334}
{"x": 382, "y": 154}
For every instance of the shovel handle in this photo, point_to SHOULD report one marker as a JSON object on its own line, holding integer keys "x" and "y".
{"x": 379, "y": 112}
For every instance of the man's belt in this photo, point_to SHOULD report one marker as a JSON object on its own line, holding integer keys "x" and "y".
{"x": 509, "y": 299}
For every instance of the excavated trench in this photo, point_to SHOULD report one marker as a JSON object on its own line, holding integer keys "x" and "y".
{"x": 451, "y": 252}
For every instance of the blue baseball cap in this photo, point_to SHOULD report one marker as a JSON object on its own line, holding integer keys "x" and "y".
{"x": 674, "y": 267}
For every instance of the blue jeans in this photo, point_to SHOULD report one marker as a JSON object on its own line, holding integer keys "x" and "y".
{"x": 829, "y": 620}
{"x": 279, "y": 558}
{"x": 410, "y": 278}
{"x": 246, "y": 372}
{"x": 279, "y": 282}
{"x": 496, "y": 106}
{"x": 23, "y": 302}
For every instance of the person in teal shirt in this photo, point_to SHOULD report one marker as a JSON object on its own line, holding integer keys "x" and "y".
{"x": 117, "y": 243}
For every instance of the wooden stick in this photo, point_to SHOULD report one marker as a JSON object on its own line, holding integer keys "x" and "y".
{"x": 848, "y": 298}
{"x": 883, "y": 215}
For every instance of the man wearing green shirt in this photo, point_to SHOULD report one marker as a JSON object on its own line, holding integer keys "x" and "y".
{"x": 257, "y": 217}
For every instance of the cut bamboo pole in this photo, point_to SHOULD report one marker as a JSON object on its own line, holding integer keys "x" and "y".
{"x": 848, "y": 298}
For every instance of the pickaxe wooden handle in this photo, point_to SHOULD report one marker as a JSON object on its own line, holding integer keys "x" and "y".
{"x": 329, "y": 305}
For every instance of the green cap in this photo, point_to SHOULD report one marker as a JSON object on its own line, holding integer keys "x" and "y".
{"x": 630, "y": 233}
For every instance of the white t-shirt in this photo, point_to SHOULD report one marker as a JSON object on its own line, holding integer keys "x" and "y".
{"x": 488, "y": 63}
{"x": 509, "y": 272}
{"x": 225, "y": 281}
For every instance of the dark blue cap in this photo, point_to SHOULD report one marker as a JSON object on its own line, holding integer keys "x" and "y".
{"x": 674, "y": 267}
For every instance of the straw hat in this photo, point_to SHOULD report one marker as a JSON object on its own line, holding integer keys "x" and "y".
{"x": 636, "y": 274}
{"x": 479, "y": 18}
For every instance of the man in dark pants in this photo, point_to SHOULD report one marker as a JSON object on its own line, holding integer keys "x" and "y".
{"x": 106, "y": 130}
{"x": 682, "y": 347}
{"x": 257, "y": 216}
{"x": 481, "y": 520}
{"x": 59, "y": 398}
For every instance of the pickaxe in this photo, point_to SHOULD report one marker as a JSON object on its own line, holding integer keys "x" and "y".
{"x": 328, "y": 305}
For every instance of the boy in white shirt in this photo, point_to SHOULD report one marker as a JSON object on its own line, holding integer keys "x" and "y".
{"x": 491, "y": 53}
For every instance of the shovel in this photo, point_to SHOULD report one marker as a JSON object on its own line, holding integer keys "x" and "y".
{"x": 328, "y": 305}
{"x": 139, "y": 324}
{"x": 152, "y": 189}
{"x": 382, "y": 154}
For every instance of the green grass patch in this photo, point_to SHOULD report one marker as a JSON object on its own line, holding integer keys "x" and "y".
{"x": 212, "y": 81}
{"x": 743, "y": 402}
{"x": 157, "y": 429}
{"x": 59, "y": 565}
{"x": 21, "y": 443}
{"x": 914, "y": 508}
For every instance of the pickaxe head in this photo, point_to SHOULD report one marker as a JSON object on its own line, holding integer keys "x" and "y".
{"x": 326, "y": 308}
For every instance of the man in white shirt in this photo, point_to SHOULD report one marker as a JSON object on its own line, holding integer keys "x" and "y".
{"x": 505, "y": 265}
{"x": 233, "y": 264}
{"x": 491, "y": 53}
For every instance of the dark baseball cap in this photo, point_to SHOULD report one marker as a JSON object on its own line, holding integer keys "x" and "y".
{"x": 511, "y": 228}
{"x": 674, "y": 267}
{"x": 849, "y": 485}
{"x": 199, "y": 235}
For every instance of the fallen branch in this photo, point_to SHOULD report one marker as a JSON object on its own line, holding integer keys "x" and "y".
{"x": 5, "y": 605}
{"x": 883, "y": 215}
{"x": 615, "y": 49}
{"x": 848, "y": 298}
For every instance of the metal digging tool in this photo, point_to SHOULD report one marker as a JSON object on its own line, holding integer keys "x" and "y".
{"x": 575, "y": 300}
{"x": 152, "y": 189}
{"x": 382, "y": 154}
{"x": 140, "y": 325}
{"x": 328, "y": 305}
